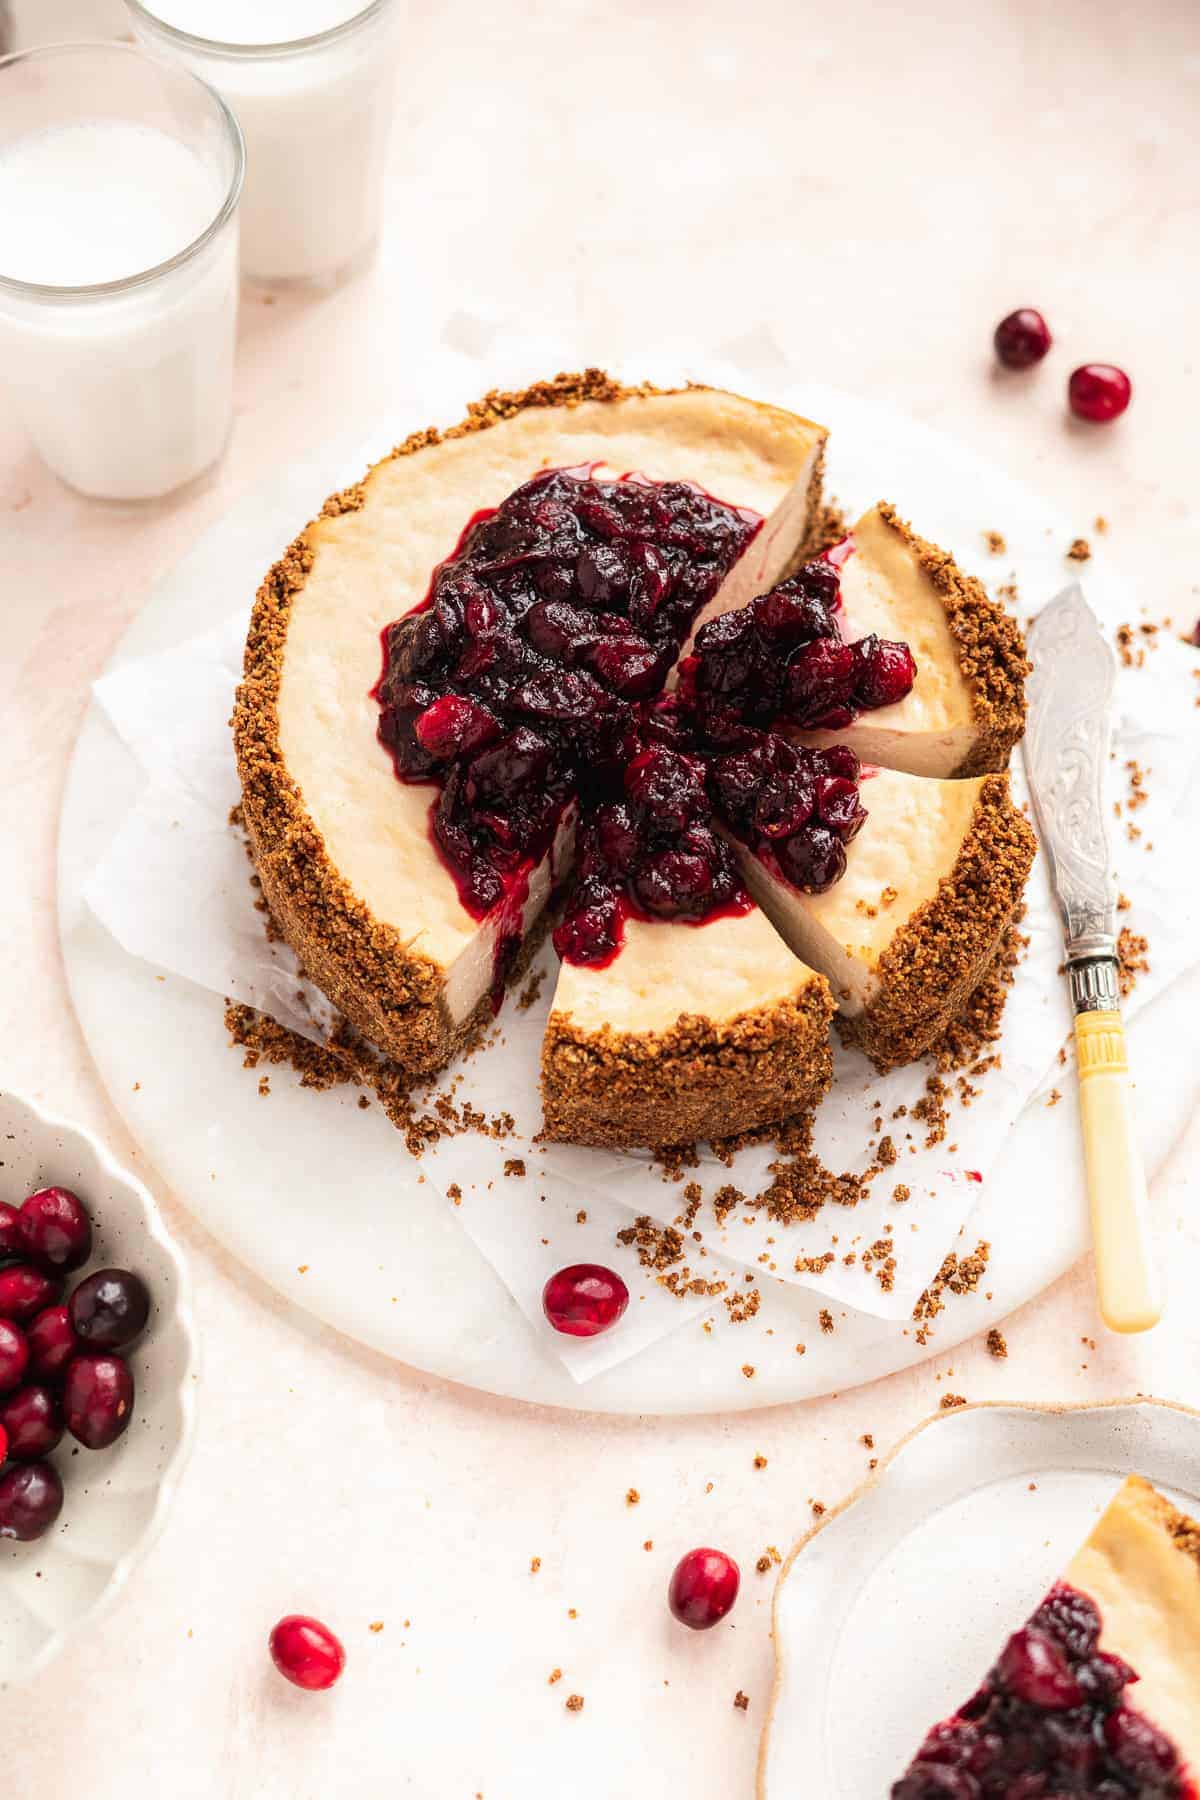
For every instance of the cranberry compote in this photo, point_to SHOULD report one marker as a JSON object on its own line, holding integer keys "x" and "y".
{"x": 1051, "y": 1719}
{"x": 533, "y": 677}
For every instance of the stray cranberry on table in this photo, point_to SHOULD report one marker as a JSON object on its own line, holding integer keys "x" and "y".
{"x": 584, "y": 1300}
{"x": 1022, "y": 338}
{"x": 306, "y": 1653}
{"x": 1099, "y": 392}
{"x": 703, "y": 1588}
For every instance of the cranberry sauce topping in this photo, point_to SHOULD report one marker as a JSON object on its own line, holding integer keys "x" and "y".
{"x": 519, "y": 682}
{"x": 533, "y": 675}
{"x": 782, "y": 659}
{"x": 1050, "y": 1720}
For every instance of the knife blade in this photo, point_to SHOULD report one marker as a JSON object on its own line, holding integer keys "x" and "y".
{"x": 1066, "y": 752}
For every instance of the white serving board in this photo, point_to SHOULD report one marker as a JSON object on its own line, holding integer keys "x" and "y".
{"x": 907, "y": 1592}
{"x": 308, "y": 1179}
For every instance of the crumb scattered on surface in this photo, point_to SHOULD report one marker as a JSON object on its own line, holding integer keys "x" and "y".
{"x": 1080, "y": 550}
{"x": 958, "y": 1275}
{"x": 554, "y": 1675}
{"x": 574, "y": 1703}
{"x": 632, "y": 1497}
{"x": 760, "y": 1462}
{"x": 515, "y": 1166}
{"x": 741, "y": 1701}
{"x": 1133, "y": 958}
{"x": 535, "y": 1563}
{"x": 995, "y": 542}
{"x": 948, "y": 1402}
{"x": 997, "y": 1346}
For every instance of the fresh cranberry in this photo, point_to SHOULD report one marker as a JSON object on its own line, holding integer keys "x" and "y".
{"x": 97, "y": 1399}
{"x": 1099, "y": 392}
{"x": 56, "y": 1232}
{"x": 813, "y": 860}
{"x": 10, "y": 1236}
{"x": 31, "y": 1498}
{"x": 703, "y": 1588}
{"x": 33, "y": 1423}
{"x": 1022, "y": 338}
{"x": 109, "y": 1309}
{"x": 25, "y": 1290}
{"x": 306, "y": 1652}
{"x": 584, "y": 1300}
{"x": 52, "y": 1343}
{"x": 14, "y": 1355}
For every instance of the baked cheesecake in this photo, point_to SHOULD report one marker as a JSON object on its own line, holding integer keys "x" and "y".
{"x": 966, "y": 707}
{"x": 614, "y": 517}
{"x": 688, "y": 1034}
{"x": 1099, "y": 1692}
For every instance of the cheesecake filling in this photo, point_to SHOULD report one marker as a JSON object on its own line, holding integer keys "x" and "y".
{"x": 1056, "y": 1716}
{"x": 531, "y": 680}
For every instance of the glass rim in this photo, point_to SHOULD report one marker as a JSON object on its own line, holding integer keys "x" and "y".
{"x": 124, "y": 284}
{"x": 190, "y": 40}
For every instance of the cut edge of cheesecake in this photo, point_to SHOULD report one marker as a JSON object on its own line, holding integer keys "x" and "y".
{"x": 1141, "y": 1566}
{"x": 695, "y": 1075}
{"x": 939, "y": 954}
{"x": 983, "y": 636}
{"x": 386, "y": 985}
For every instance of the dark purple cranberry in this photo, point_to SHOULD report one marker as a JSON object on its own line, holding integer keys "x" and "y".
{"x": 1137, "y": 1747}
{"x": 584, "y": 1300}
{"x": 306, "y": 1653}
{"x": 590, "y": 931}
{"x": 55, "y": 1230}
{"x": 52, "y": 1343}
{"x": 703, "y": 1588}
{"x": 884, "y": 672}
{"x": 1022, "y": 338}
{"x": 674, "y": 884}
{"x": 666, "y": 786}
{"x": 837, "y": 759}
{"x": 630, "y": 666}
{"x": 1099, "y": 392}
{"x": 97, "y": 1399}
{"x": 25, "y": 1290}
{"x": 819, "y": 675}
{"x": 501, "y": 774}
{"x": 10, "y": 1236}
{"x": 14, "y": 1355}
{"x": 837, "y": 806}
{"x": 31, "y": 1498}
{"x": 33, "y": 1422}
{"x": 784, "y": 803}
{"x": 812, "y": 860}
{"x": 110, "y": 1309}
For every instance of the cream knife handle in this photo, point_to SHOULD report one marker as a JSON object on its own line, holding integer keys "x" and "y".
{"x": 1126, "y": 1278}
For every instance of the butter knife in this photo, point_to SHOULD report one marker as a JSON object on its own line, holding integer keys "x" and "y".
{"x": 1066, "y": 751}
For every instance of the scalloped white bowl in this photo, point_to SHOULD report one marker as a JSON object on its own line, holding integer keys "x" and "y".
{"x": 117, "y": 1500}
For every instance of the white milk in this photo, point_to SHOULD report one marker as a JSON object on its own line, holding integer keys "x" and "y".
{"x": 315, "y": 121}
{"x": 127, "y": 395}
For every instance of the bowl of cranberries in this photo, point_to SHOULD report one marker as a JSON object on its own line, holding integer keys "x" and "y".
{"x": 97, "y": 1353}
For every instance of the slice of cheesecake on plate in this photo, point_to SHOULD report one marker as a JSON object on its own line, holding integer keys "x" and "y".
{"x": 966, "y": 708}
{"x": 931, "y": 882}
{"x": 689, "y": 1032}
{"x": 1098, "y": 1693}
{"x": 408, "y": 946}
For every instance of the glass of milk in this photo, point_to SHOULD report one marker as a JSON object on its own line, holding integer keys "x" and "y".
{"x": 119, "y": 184}
{"x": 312, "y": 83}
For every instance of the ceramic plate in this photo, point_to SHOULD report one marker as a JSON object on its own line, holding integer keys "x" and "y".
{"x": 889, "y": 1613}
{"x": 116, "y": 1499}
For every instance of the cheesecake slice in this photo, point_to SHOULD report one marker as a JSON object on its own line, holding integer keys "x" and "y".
{"x": 407, "y": 946}
{"x": 931, "y": 881}
{"x": 1099, "y": 1692}
{"x": 691, "y": 1032}
{"x": 966, "y": 708}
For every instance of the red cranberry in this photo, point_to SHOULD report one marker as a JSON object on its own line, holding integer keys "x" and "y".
{"x": 306, "y": 1652}
{"x": 584, "y": 1300}
{"x": 1099, "y": 392}
{"x": 33, "y": 1423}
{"x": 703, "y": 1588}
{"x": 24, "y": 1291}
{"x": 1022, "y": 338}
{"x": 10, "y": 1236}
{"x": 31, "y": 1498}
{"x": 453, "y": 726}
{"x": 1034, "y": 1668}
{"x": 97, "y": 1399}
{"x": 885, "y": 672}
{"x": 55, "y": 1229}
{"x": 52, "y": 1343}
{"x": 109, "y": 1309}
{"x": 14, "y": 1356}
{"x": 1137, "y": 1746}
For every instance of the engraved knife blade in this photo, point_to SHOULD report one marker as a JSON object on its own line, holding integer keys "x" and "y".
{"x": 1066, "y": 749}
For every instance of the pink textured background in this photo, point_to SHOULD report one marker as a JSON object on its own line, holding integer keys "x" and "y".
{"x": 876, "y": 186}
